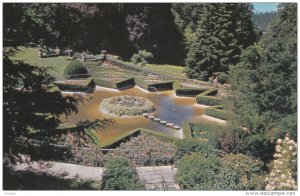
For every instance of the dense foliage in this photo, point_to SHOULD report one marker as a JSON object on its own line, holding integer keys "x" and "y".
{"x": 215, "y": 37}
{"x": 197, "y": 172}
{"x": 232, "y": 172}
{"x": 142, "y": 57}
{"x": 264, "y": 84}
{"x": 120, "y": 174}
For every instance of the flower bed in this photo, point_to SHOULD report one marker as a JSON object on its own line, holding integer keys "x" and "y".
{"x": 123, "y": 106}
{"x": 146, "y": 149}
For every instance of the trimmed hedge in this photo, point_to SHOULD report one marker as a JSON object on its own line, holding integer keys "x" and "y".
{"x": 187, "y": 131}
{"x": 208, "y": 100}
{"x": 86, "y": 85}
{"x": 123, "y": 138}
{"x": 141, "y": 83}
{"x": 162, "y": 86}
{"x": 216, "y": 113}
{"x": 163, "y": 137}
{"x": 105, "y": 83}
{"x": 125, "y": 84}
{"x": 210, "y": 92}
{"x": 190, "y": 92}
{"x": 75, "y": 67}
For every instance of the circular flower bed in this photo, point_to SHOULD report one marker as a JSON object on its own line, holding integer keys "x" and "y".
{"x": 123, "y": 106}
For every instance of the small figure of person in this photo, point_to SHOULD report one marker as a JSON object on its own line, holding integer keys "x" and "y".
{"x": 40, "y": 53}
{"x": 216, "y": 80}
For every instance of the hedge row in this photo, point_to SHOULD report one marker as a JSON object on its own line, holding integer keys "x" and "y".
{"x": 210, "y": 92}
{"x": 123, "y": 138}
{"x": 190, "y": 92}
{"x": 105, "y": 83}
{"x": 125, "y": 84}
{"x": 160, "y": 86}
{"x": 85, "y": 86}
{"x": 141, "y": 83}
{"x": 208, "y": 100}
{"x": 187, "y": 131}
{"x": 216, "y": 113}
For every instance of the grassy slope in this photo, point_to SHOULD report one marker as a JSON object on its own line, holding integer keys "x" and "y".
{"x": 30, "y": 56}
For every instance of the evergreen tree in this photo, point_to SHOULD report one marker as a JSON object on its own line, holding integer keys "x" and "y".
{"x": 264, "y": 83}
{"x": 263, "y": 20}
{"x": 224, "y": 29}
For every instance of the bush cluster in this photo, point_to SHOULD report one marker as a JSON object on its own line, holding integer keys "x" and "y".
{"x": 120, "y": 174}
{"x": 142, "y": 57}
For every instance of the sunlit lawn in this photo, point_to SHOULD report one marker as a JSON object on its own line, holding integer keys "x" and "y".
{"x": 165, "y": 69}
{"x": 30, "y": 56}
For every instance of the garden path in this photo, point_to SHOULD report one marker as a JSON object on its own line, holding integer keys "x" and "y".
{"x": 147, "y": 175}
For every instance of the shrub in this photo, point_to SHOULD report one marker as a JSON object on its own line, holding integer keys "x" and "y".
{"x": 191, "y": 92}
{"x": 120, "y": 174}
{"x": 248, "y": 173}
{"x": 197, "y": 172}
{"x": 284, "y": 169}
{"x": 75, "y": 67}
{"x": 216, "y": 113}
{"x": 208, "y": 100}
{"x": 189, "y": 146}
{"x": 142, "y": 57}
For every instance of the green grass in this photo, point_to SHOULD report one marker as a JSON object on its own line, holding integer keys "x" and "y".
{"x": 170, "y": 70}
{"x": 30, "y": 56}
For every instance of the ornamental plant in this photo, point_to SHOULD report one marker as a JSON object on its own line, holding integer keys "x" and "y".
{"x": 142, "y": 57}
{"x": 282, "y": 175}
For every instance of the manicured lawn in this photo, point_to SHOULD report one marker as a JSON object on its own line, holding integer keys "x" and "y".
{"x": 30, "y": 56}
{"x": 165, "y": 69}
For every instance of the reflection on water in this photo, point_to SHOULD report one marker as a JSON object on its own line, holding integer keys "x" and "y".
{"x": 168, "y": 107}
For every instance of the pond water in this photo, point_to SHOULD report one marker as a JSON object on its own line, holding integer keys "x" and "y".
{"x": 168, "y": 107}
